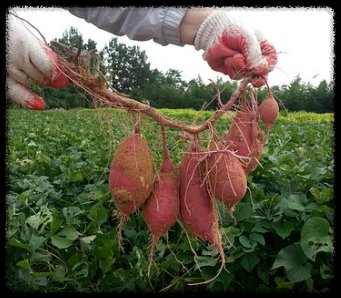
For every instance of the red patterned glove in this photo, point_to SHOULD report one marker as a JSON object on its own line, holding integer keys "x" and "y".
{"x": 29, "y": 62}
{"x": 233, "y": 48}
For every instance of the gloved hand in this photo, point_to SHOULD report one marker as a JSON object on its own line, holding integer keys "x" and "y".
{"x": 29, "y": 62}
{"x": 235, "y": 49}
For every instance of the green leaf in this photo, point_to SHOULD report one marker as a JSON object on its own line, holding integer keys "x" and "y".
{"x": 231, "y": 233}
{"x": 41, "y": 219}
{"x": 245, "y": 241}
{"x": 243, "y": 211}
{"x": 105, "y": 256}
{"x": 317, "y": 171}
{"x": 131, "y": 234}
{"x": 290, "y": 257}
{"x": 32, "y": 144}
{"x": 257, "y": 237}
{"x": 249, "y": 261}
{"x": 65, "y": 237}
{"x": 25, "y": 264}
{"x": 206, "y": 261}
{"x": 295, "y": 203}
{"x": 283, "y": 229}
{"x": 315, "y": 237}
{"x": 34, "y": 221}
{"x": 79, "y": 265}
{"x": 70, "y": 212}
{"x": 98, "y": 213}
{"x": 235, "y": 254}
{"x": 71, "y": 215}
{"x": 58, "y": 274}
{"x": 262, "y": 226}
{"x": 43, "y": 186}
{"x": 86, "y": 241}
{"x": 57, "y": 222}
{"x": 300, "y": 274}
{"x": 36, "y": 241}
{"x": 15, "y": 242}
{"x": 295, "y": 263}
{"x": 22, "y": 198}
{"x": 326, "y": 271}
{"x": 76, "y": 176}
{"x": 263, "y": 274}
{"x": 322, "y": 196}
{"x": 248, "y": 243}
{"x": 40, "y": 280}
{"x": 226, "y": 278}
{"x": 41, "y": 257}
{"x": 282, "y": 283}
{"x": 41, "y": 274}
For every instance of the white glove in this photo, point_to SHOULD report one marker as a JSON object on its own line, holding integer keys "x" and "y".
{"x": 235, "y": 49}
{"x": 29, "y": 62}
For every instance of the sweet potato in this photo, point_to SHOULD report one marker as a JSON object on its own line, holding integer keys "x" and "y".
{"x": 161, "y": 209}
{"x": 131, "y": 176}
{"x": 245, "y": 137}
{"x": 198, "y": 212}
{"x": 225, "y": 176}
{"x": 268, "y": 112}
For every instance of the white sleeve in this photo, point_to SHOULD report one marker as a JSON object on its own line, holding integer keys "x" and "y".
{"x": 159, "y": 24}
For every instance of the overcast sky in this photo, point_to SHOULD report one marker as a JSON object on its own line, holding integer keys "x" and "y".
{"x": 303, "y": 38}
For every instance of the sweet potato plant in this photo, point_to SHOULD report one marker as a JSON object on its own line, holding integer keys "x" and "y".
{"x": 61, "y": 235}
{"x": 238, "y": 214}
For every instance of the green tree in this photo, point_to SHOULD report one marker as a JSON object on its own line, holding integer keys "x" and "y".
{"x": 197, "y": 94}
{"x": 126, "y": 68}
{"x": 72, "y": 37}
{"x": 321, "y": 98}
{"x": 299, "y": 96}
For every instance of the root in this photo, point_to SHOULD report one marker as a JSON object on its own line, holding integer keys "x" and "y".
{"x": 223, "y": 266}
{"x": 96, "y": 86}
{"x": 154, "y": 241}
{"x": 123, "y": 218}
{"x": 230, "y": 210}
{"x": 175, "y": 257}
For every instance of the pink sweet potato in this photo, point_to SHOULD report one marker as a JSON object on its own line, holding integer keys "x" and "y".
{"x": 131, "y": 176}
{"x": 198, "y": 212}
{"x": 245, "y": 137}
{"x": 226, "y": 178}
{"x": 268, "y": 112}
{"x": 161, "y": 209}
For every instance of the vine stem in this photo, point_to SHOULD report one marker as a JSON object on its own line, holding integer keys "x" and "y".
{"x": 95, "y": 88}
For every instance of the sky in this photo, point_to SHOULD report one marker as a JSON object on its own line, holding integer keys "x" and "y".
{"x": 303, "y": 38}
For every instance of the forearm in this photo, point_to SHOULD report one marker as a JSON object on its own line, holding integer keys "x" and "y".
{"x": 191, "y": 22}
{"x": 141, "y": 24}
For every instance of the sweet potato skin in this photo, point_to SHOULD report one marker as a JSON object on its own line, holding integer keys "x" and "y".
{"x": 131, "y": 176}
{"x": 161, "y": 209}
{"x": 246, "y": 138}
{"x": 197, "y": 211}
{"x": 269, "y": 111}
{"x": 226, "y": 178}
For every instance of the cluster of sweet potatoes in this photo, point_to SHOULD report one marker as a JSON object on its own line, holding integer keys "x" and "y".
{"x": 188, "y": 192}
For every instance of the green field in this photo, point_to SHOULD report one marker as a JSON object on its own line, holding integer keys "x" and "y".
{"x": 61, "y": 236}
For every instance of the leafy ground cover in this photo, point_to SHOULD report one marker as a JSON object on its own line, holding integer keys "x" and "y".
{"x": 61, "y": 233}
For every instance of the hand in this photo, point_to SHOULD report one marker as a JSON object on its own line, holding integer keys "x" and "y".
{"x": 29, "y": 62}
{"x": 235, "y": 49}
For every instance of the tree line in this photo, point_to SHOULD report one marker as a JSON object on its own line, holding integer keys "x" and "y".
{"x": 128, "y": 70}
